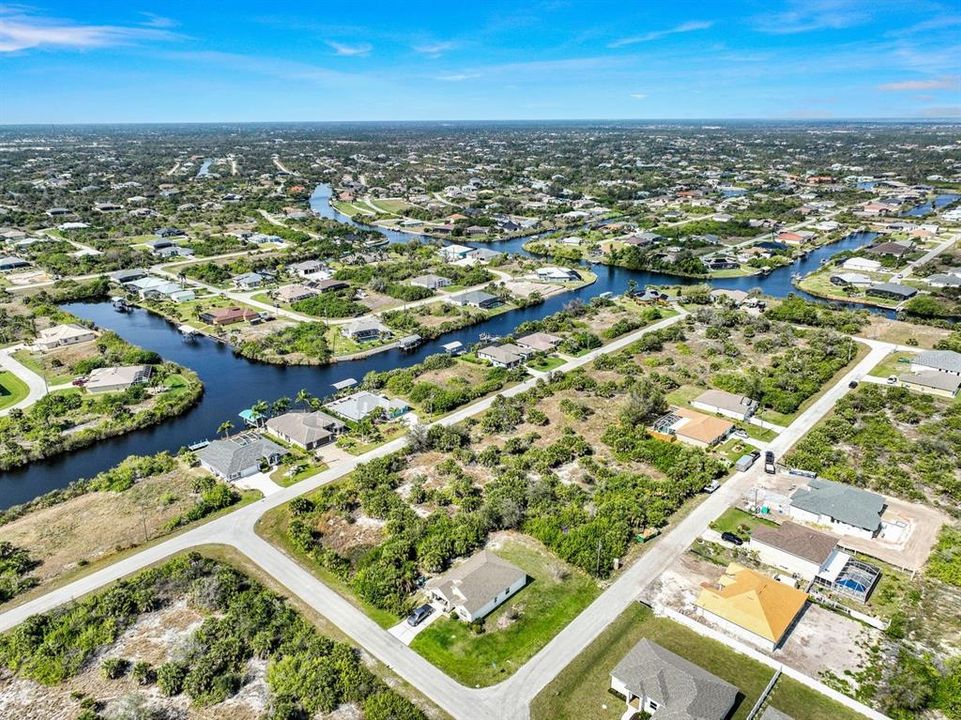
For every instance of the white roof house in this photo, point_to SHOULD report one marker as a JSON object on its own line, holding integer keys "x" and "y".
{"x": 60, "y": 335}
{"x": 361, "y": 404}
{"x": 861, "y": 264}
{"x": 114, "y": 379}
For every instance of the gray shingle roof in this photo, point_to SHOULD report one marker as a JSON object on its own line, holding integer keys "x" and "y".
{"x": 305, "y": 428}
{"x": 236, "y": 454}
{"x": 945, "y": 360}
{"x": 477, "y": 581}
{"x": 850, "y": 505}
{"x": 797, "y": 540}
{"x": 682, "y": 690}
{"x": 934, "y": 380}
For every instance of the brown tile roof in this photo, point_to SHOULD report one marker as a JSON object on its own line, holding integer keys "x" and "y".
{"x": 797, "y": 540}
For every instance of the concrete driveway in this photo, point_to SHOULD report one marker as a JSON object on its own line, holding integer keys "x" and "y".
{"x": 405, "y": 633}
{"x": 258, "y": 481}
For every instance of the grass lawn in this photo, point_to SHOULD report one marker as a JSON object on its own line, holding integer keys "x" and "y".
{"x": 545, "y": 606}
{"x": 781, "y": 419}
{"x": 732, "y": 519}
{"x": 12, "y": 389}
{"x": 34, "y": 361}
{"x": 546, "y": 364}
{"x": 272, "y": 527}
{"x": 892, "y": 365}
{"x": 683, "y": 395}
{"x": 281, "y": 477}
{"x": 581, "y": 689}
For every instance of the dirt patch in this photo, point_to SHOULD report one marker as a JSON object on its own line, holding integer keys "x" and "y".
{"x": 92, "y": 526}
{"x": 823, "y": 639}
{"x": 350, "y": 536}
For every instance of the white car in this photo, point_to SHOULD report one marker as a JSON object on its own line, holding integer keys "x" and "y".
{"x": 892, "y": 380}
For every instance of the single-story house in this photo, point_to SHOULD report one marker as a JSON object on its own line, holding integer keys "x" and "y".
{"x": 364, "y": 329}
{"x": 227, "y": 316}
{"x": 538, "y": 342}
{"x": 451, "y": 253}
{"x": 295, "y": 292}
{"x": 331, "y": 285}
{"x": 850, "y": 278}
{"x": 12, "y": 262}
{"x": 793, "y": 548}
{"x": 477, "y": 298}
{"x": 894, "y": 249}
{"x": 249, "y": 281}
{"x": 557, "y": 274}
{"x": 477, "y": 586}
{"x": 122, "y": 277}
{"x": 307, "y": 430}
{"x": 891, "y": 291}
{"x": 61, "y": 335}
{"x": 693, "y": 428}
{"x": 485, "y": 255}
{"x": 845, "y": 509}
{"x": 239, "y": 456}
{"x": 655, "y": 681}
{"x": 942, "y": 361}
{"x": 571, "y": 240}
{"x": 310, "y": 270}
{"x": 431, "y": 282}
{"x": 362, "y": 403}
{"x": 860, "y": 264}
{"x": 506, "y": 356}
{"x": 942, "y": 280}
{"x": 739, "y": 407}
{"x": 114, "y": 379}
{"x": 932, "y": 382}
{"x": 751, "y": 606}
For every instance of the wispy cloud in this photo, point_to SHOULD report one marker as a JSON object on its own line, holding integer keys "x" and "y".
{"x": 435, "y": 49}
{"x": 639, "y": 96}
{"x": 948, "y": 82}
{"x": 346, "y": 50}
{"x": 686, "y": 27}
{"x": 157, "y": 21}
{"x": 20, "y": 31}
{"x": 458, "y": 77}
{"x": 808, "y": 15}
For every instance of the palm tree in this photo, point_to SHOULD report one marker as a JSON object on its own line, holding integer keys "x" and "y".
{"x": 304, "y": 397}
{"x": 225, "y": 427}
{"x": 260, "y": 409}
{"x": 281, "y": 405}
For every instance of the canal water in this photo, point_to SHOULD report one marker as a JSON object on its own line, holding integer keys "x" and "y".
{"x": 233, "y": 383}
{"x": 926, "y": 208}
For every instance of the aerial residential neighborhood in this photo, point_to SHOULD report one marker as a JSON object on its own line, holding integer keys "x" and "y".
{"x": 552, "y": 361}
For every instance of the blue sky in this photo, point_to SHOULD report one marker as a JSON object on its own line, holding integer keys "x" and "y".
{"x": 131, "y": 61}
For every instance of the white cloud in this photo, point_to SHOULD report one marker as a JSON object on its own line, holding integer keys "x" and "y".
{"x": 346, "y": 50}
{"x": 943, "y": 83}
{"x": 157, "y": 21}
{"x": 435, "y": 49}
{"x": 25, "y": 32}
{"x": 458, "y": 77}
{"x": 658, "y": 34}
{"x": 638, "y": 96}
{"x": 809, "y": 15}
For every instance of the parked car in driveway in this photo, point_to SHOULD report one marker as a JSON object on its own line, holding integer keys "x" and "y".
{"x": 731, "y": 538}
{"x": 419, "y": 615}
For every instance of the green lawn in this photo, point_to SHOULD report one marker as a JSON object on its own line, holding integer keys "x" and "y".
{"x": 280, "y": 476}
{"x": 545, "y": 606}
{"x": 581, "y": 689}
{"x": 732, "y": 519}
{"x": 892, "y": 365}
{"x": 683, "y": 395}
{"x": 12, "y": 389}
{"x": 546, "y": 364}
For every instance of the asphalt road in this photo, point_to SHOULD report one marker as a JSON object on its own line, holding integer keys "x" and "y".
{"x": 510, "y": 699}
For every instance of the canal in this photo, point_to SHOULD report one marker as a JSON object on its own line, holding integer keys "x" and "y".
{"x": 233, "y": 383}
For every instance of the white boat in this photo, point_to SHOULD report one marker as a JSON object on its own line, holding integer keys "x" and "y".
{"x": 188, "y": 332}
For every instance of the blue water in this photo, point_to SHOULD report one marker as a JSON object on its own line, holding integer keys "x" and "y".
{"x": 926, "y": 208}
{"x": 205, "y": 168}
{"x": 233, "y": 383}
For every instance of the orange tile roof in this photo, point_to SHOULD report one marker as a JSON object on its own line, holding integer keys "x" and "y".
{"x": 701, "y": 427}
{"x": 753, "y": 601}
